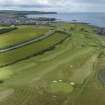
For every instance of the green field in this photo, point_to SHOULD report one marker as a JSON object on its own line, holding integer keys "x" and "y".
{"x": 66, "y": 73}
{"x": 23, "y": 33}
{"x": 31, "y": 49}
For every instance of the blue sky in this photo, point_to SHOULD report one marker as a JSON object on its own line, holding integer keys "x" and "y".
{"x": 55, "y": 5}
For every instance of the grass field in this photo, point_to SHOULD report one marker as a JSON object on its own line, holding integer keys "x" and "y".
{"x": 23, "y": 33}
{"x": 64, "y": 75}
{"x": 31, "y": 49}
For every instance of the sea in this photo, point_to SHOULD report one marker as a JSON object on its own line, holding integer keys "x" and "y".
{"x": 97, "y": 19}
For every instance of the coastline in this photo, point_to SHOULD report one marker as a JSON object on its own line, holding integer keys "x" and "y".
{"x": 90, "y": 18}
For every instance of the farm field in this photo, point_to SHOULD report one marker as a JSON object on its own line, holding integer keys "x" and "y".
{"x": 68, "y": 72}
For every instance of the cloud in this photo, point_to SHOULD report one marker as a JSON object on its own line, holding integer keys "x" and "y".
{"x": 55, "y": 5}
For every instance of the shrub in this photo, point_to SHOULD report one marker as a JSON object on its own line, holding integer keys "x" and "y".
{"x": 7, "y": 30}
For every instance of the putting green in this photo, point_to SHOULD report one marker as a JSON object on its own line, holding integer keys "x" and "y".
{"x": 56, "y": 87}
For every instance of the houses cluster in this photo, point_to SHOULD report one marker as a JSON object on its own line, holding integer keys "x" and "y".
{"x": 24, "y": 20}
{"x": 101, "y": 31}
{"x": 7, "y": 20}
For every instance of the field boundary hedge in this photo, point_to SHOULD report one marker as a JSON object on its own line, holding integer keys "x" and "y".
{"x": 5, "y": 30}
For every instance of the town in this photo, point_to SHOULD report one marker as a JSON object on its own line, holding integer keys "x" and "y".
{"x": 24, "y": 20}
{"x": 21, "y": 18}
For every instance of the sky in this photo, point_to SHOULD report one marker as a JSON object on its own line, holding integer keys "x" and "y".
{"x": 55, "y": 5}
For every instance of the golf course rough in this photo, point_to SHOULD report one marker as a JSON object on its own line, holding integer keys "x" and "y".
{"x": 60, "y": 69}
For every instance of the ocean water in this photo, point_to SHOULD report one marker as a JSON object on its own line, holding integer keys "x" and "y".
{"x": 97, "y": 19}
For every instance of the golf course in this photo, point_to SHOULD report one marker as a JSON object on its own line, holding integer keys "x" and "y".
{"x": 45, "y": 65}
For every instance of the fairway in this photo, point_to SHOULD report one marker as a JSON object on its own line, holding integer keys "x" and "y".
{"x": 60, "y": 69}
